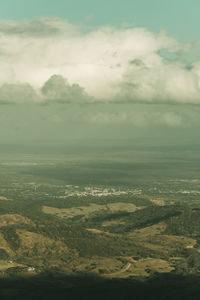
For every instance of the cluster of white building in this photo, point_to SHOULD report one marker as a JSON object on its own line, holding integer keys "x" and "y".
{"x": 97, "y": 191}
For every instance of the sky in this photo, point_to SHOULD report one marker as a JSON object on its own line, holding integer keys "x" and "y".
{"x": 179, "y": 17}
{"x": 99, "y": 69}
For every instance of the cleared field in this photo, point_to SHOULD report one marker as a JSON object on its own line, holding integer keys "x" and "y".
{"x": 159, "y": 201}
{"x": 4, "y": 198}
{"x": 11, "y": 219}
{"x": 113, "y": 222}
{"x": 37, "y": 244}
{"x": 86, "y": 210}
{"x": 98, "y": 265}
{"x": 5, "y": 246}
{"x": 97, "y": 231}
{"x": 4, "y": 265}
{"x": 152, "y": 234}
{"x": 127, "y": 266}
{"x": 149, "y": 230}
{"x": 144, "y": 267}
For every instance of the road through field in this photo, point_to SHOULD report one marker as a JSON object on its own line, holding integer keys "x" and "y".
{"x": 124, "y": 269}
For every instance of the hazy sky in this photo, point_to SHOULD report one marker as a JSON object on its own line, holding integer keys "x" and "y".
{"x": 95, "y": 69}
{"x": 178, "y": 17}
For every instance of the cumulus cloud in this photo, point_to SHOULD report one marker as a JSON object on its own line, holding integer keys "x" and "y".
{"x": 50, "y": 60}
{"x": 58, "y": 89}
{"x": 160, "y": 83}
{"x": 55, "y": 90}
{"x": 110, "y": 64}
{"x": 17, "y": 93}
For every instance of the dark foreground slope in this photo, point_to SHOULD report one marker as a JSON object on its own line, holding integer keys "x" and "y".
{"x": 144, "y": 254}
{"x": 49, "y": 286}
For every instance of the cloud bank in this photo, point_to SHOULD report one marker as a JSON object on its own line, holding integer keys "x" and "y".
{"x": 94, "y": 78}
{"x": 101, "y": 64}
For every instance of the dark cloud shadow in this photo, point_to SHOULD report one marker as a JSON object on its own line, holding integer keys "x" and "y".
{"x": 87, "y": 286}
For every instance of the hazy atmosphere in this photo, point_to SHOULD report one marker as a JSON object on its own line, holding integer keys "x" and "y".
{"x": 99, "y": 149}
{"x": 95, "y": 74}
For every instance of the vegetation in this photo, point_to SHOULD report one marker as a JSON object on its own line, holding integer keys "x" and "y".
{"x": 98, "y": 240}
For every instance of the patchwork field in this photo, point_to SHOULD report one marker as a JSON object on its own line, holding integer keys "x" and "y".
{"x": 69, "y": 213}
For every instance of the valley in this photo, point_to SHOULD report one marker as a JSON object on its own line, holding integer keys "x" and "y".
{"x": 132, "y": 232}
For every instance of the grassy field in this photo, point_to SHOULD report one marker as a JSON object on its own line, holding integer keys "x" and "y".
{"x": 89, "y": 209}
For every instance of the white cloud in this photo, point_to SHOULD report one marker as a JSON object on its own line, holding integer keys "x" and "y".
{"x": 106, "y": 63}
{"x": 58, "y": 89}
